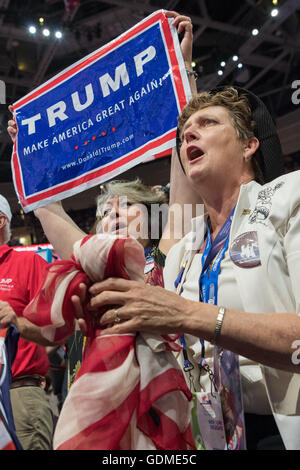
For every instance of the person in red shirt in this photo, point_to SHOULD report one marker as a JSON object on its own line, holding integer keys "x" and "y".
{"x": 21, "y": 274}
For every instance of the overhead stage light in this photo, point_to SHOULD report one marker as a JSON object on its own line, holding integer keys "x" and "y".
{"x": 46, "y": 32}
{"x": 32, "y": 29}
{"x": 58, "y": 34}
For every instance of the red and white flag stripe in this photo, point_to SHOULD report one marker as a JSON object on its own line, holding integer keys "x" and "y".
{"x": 129, "y": 392}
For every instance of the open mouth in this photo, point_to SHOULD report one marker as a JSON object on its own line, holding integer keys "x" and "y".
{"x": 194, "y": 152}
{"x": 117, "y": 227}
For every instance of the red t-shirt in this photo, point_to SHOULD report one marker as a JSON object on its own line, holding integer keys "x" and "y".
{"x": 21, "y": 275}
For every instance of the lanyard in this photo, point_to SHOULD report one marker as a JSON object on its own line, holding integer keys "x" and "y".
{"x": 211, "y": 249}
{"x": 179, "y": 278}
{"x": 208, "y": 280}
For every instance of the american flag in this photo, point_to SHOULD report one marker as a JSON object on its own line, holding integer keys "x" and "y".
{"x": 6, "y": 441}
{"x": 129, "y": 392}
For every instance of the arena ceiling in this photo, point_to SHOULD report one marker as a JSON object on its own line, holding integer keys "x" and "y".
{"x": 270, "y": 60}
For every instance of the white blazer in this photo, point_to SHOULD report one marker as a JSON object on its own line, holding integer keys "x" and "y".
{"x": 273, "y": 211}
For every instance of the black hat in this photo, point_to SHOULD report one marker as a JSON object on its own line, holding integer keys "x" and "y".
{"x": 266, "y": 133}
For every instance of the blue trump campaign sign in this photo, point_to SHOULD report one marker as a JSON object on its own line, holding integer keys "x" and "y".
{"x": 101, "y": 116}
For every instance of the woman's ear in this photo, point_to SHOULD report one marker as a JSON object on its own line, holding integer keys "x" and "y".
{"x": 250, "y": 147}
{"x": 3, "y": 220}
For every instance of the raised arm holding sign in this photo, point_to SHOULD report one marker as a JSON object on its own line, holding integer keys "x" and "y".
{"x": 103, "y": 115}
{"x": 59, "y": 228}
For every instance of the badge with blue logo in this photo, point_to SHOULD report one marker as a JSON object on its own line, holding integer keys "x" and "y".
{"x": 244, "y": 250}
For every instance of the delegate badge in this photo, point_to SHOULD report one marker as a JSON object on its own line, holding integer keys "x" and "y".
{"x": 244, "y": 250}
{"x": 207, "y": 421}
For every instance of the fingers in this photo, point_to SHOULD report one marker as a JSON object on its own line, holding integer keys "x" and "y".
{"x": 128, "y": 327}
{"x": 109, "y": 317}
{"x": 79, "y": 300}
{"x": 111, "y": 284}
{"x": 107, "y": 298}
{"x": 82, "y": 292}
{"x": 177, "y": 16}
{"x": 83, "y": 326}
{"x": 180, "y": 21}
{"x": 12, "y": 124}
{"x": 12, "y": 129}
{"x": 7, "y": 315}
{"x": 112, "y": 291}
{"x": 75, "y": 299}
{"x": 107, "y": 293}
{"x": 3, "y": 321}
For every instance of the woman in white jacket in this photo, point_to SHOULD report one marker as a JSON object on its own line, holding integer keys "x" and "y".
{"x": 247, "y": 298}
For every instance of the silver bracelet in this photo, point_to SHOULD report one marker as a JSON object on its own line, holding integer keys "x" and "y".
{"x": 191, "y": 72}
{"x": 219, "y": 323}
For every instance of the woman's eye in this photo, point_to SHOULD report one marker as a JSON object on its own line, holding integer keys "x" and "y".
{"x": 126, "y": 204}
{"x": 207, "y": 122}
{"x": 106, "y": 212}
